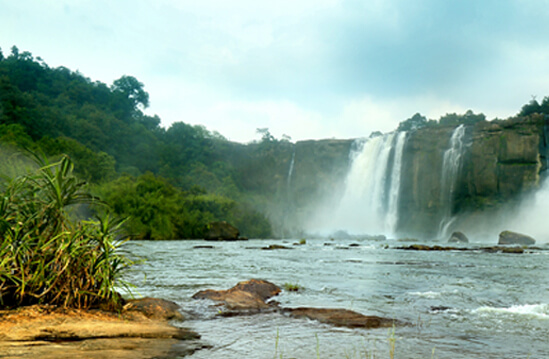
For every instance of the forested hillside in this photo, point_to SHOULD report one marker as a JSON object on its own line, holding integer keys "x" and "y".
{"x": 171, "y": 182}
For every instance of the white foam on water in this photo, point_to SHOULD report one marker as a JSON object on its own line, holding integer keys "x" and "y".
{"x": 429, "y": 294}
{"x": 540, "y": 311}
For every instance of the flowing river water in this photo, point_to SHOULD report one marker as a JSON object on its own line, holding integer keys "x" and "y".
{"x": 469, "y": 304}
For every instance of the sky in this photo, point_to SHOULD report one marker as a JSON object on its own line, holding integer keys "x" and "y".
{"x": 307, "y": 69}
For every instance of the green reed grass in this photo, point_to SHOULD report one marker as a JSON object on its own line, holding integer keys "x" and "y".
{"x": 47, "y": 258}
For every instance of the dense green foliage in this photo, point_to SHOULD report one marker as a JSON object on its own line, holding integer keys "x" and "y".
{"x": 45, "y": 257}
{"x": 116, "y": 147}
{"x": 159, "y": 210}
{"x": 418, "y": 121}
{"x": 535, "y": 107}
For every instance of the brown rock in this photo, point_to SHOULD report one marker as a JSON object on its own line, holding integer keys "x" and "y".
{"x": 508, "y": 237}
{"x": 248, "y": 295}
{"x": 341, "y": 317}
{"x": 47, "y": 332}
{"x": 155, "y": 308}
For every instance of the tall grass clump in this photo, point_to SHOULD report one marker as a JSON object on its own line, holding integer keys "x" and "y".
{"x": 46, "y": 255}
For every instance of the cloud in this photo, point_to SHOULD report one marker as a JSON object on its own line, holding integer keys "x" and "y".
{"x": 334, "y": 67}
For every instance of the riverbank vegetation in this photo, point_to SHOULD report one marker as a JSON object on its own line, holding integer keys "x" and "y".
{"x": 48, "y": 255}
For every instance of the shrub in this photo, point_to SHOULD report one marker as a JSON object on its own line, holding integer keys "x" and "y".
{"x": 45, "y": 257}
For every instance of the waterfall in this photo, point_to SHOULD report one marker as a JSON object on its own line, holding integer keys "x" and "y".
{"x": 369, "y": 204}
{"x": 291, "y": 169}
{"x": 451, "y": 164}
{"x": 392, "y": 210}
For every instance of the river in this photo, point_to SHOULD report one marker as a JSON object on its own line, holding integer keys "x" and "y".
{"x": 458, "y": 305}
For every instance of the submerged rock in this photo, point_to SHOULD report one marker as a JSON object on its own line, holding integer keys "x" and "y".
{"x": 247, "y": 296}
{"x": 221, "y": 231}
{"x": 458, "y": 237}
{"x": 493, "y": 249}
{"x": 275, "y": 246}
{"x": 508, "y": 237}
{"x": 340, "y": 317}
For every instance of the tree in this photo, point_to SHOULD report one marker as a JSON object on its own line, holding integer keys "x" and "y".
{"x": 132, "y": 89}
{"x": 265, "y": 134}
{"x": 15, "y": 52}
{"x": 413, "y": 123}
{"x": 530, "y": 108}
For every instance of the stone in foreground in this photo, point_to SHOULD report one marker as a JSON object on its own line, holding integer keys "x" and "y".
{"x": 155, "y": 308}
{"x": 341, "y": 317}
{"x": 245, "y": 296}
{"x": 49, "y": 332}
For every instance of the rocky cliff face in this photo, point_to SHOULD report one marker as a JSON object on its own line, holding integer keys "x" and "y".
{"x": 420, "y": 207}
{"x": 494, "y": 163}
{"x": 499, "y": 160}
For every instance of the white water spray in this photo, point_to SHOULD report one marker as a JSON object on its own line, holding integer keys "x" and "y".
{"x": 369, "y": 204}
{"x": 451, "y": 164}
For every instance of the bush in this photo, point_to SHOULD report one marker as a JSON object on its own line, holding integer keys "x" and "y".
{"x": 46, "y": 258}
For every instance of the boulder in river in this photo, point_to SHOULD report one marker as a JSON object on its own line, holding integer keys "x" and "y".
{"x": 341, "y": 317}
{"x": 458, "y": 237}
{"x": 508, "y": 237}
{"x": 248, "y": 296}
{"x": 155, "y": 308}
{"x": 221, "y": 231}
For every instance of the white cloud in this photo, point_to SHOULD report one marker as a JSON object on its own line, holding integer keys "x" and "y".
{"x": 309, "y": 69}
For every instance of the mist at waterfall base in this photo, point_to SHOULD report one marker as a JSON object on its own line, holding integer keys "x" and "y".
{"x": 368, "y": 205}
{"x": 528, "y": 216}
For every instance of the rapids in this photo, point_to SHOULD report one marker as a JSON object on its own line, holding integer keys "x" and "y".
{"x": 458, "y": 304}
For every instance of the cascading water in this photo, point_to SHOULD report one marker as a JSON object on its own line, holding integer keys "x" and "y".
{"x": 291, "y": 169}
{"x": 392, "y": 209}
{"x": 369, "y": 204}
{"x": 451, "y": 165}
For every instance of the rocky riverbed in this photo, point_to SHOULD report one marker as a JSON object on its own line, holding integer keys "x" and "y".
{"x": 141, "y": 330}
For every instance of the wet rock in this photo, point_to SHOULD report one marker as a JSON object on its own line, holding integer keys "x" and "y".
{"x": 155, "y": 308}
{"x": 221, "y": 231}
{"x": 458, "y": 237}
{"x": 508, "y": 237}
{"x": 439, "y": 308}
{"x": 354, "y": 245}
{"x": 46, "y": 332}
{"x": 340, "y": 317}
{"x": 275, "y": 246}
{"x": 498, "y": 249}
{"x": 203, "y": 247}
{"x": 423, "y": 247}
{"x": 247, "y": 296}
{"x": 493, "y": 249}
